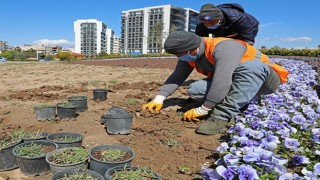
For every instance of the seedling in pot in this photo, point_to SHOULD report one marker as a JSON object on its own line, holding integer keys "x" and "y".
{"x": 111, "y": 155}
{"x": 33, "y": 150}
{"x": 78, "y": 98}
{"x": 45, "y": 106}
{"x": 69, "y": 156}
{"x": 11, "y": 139}
{"x": 78, "y": 176}
{"x": 133, "y": 174}
{"x": 67, "y": 105}
{"x": 66, "y": 139}
{"x": 30, "y": 134}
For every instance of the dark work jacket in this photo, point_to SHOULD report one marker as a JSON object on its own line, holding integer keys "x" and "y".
{"x": 236, "y": 20}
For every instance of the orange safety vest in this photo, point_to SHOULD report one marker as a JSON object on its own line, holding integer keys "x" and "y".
{"x": 250, "y": 54}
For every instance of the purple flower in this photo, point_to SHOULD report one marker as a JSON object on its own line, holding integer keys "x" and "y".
{"x": 298, "y": 119}
{"x": 286, "y": 176}
{"x": 270, "y": 138}
{"x": 297, "y": 160}
{"x": 246, "y": 172}
{"x": 256, "y": 134}
{"x": 251, "y": 157}
{"x": 226, "y": 173}
{"x": 231, "y": 160}
{"x": 291, "y": 143}
{"x": 316, "y": 168}
{"x": 209, "y": 174}
{"x": 223, "y": 147}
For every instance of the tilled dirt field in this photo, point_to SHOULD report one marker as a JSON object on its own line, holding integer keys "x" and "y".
{"x": 131, "y": 83}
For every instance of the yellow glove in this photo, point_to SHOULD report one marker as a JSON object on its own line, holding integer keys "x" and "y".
{"x": 194, "y": 113}
{"x": 152, "y": 106}
{"x": 155, "y": 104}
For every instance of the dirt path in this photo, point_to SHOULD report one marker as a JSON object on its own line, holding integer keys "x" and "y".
{"x": 24, "y": 85}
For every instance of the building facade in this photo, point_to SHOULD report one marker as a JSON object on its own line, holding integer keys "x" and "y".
{"x": 3, "y": 46}
{"x": 110, "y": 41}
{"x": 90, "y": 37}
{"x": 144, "y": 30}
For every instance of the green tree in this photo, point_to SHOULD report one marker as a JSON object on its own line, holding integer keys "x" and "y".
{"x": 65, "y": 56}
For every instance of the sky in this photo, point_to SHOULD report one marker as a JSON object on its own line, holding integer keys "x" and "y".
{"x": 283, "y": 23}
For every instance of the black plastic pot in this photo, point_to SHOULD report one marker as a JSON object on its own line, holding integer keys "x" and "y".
{"x": 63, "y": 174}
{"x": 62, "y": 144}
{"x": 100, "y": 94}
{"x": 102, "y": 166}
{"x": 56, "y": 168}
{"x": 117, "y": 121}
{"x": 33, "y": 166}
{"x": 111, "y": 171}
{"x": 66, "y": 111}
{"x": 44, "y": 113}
{"x": 42, "y": 137}
{"x": 7, "y": 160}
{"x": 80, "y": 102}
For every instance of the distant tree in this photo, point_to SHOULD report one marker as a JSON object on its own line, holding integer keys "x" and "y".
{"x": 319, "y": 46}
{"x": 263, "y": 47}
{"x": 65, "y": 56}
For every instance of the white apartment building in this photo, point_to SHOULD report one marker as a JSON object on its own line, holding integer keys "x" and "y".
{"x": 90, "y": 37}
{"x": 116, "y": 45}
{"x": 110, "y": 41}
{"x": 145, "y": 30}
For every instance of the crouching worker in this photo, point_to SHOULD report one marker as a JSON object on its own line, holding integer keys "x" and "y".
{"x": 235, "y": 71}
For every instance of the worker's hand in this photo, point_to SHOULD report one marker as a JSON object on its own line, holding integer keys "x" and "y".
{"x": 156, "y": 104}
{"x": 151, "y": 106}
{"x": 194, "y": 113}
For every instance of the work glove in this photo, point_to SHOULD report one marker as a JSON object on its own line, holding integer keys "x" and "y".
{"x": 194, "y": 113}
{"x": 156, "y": 104}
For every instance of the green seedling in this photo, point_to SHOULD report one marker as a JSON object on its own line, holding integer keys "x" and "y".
{"x": 170, "y": 143}
{"x": 94, "y": 83}
{"x": 67, "y": 105}
{"x": 69, "y": 155}
{"x": 112, "y": 155}
{"x": 30, "y": 150}
{"x": 130, "y": 101}
{"x": 29, "y": 134}
{"x": 133, "y": 174}
{"x": 78, "y": 176}
{"x": 113, "y": 81}
{"x": 184, "y": 169}
{"x": 45, "y": 106}
{"x": 67, "y": 138}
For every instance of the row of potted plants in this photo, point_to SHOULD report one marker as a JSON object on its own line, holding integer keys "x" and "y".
{"x": 63, "y": 154}
{"x": 63, "y": 110}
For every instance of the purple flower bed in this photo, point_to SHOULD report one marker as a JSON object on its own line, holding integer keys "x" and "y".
{"x": 278, "y": 136}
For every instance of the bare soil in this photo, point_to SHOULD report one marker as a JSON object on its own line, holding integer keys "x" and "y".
{"x": 162, "y": 142}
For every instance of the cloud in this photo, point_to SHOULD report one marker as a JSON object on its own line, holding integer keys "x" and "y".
{"x": 48, "y": 42}
{"x": 290, "y": 39}
{"x": 267, "y": 24}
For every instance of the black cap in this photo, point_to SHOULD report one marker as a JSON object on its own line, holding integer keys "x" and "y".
{"x": 210, "y": 12}
{"x": 181, "y": 41}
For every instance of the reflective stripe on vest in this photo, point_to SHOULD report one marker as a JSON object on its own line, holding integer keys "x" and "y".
{"x": 250, "y": 54}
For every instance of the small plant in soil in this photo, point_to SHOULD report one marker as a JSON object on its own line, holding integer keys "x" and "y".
{"x": 184, "y": 169}
{"x": 66, "y": 139}
{"x": 69, "y": 156}
{"x": 113, "y": 81}
{"x": 33, "y": 150}
{"x": 67, "y": 105}
{"x": 94, "y": 83}
{"x": 130, "y": 101}
{"x": 140, "y": 173}
{"x": 78, "y": 176}
{"x": 111, "y": 155}
{"x": 170, "y": 143}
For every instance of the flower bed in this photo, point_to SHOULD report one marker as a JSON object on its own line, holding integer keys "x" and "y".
{"x": 278, "y": 136}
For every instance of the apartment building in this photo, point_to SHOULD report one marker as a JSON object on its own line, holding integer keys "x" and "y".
{"x": 116, "y": 45}
{"x": 144, "y": 30}
{"x": 90, "y": 37}
{"x": 3, "y": 46}
{"x": 110, "y": 41}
